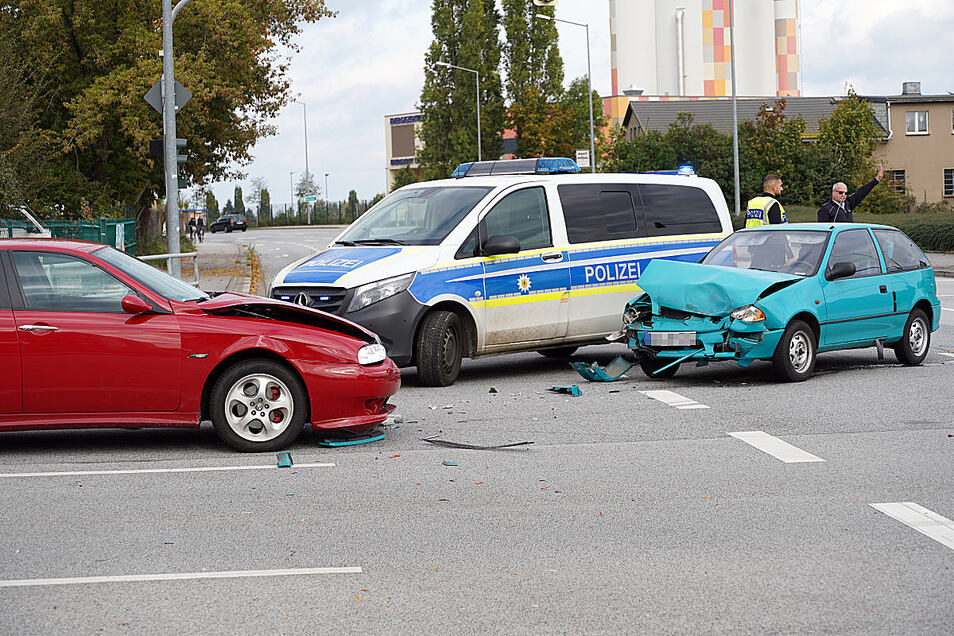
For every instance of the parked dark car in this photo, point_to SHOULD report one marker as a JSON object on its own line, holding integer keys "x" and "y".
{"x": 229, "y": 222}
{"x": 91, "y": 337}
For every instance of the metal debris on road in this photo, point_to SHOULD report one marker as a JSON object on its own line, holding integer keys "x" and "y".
{"x": 449, "y": 444}
{"x": 595, "y": 373}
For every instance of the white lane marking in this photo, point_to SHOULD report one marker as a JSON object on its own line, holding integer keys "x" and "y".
{"x": 177, "y": 576}
{"x": 950, "y": 355}
{"x": 775, "y": 447}
{"x": 674, "y": 400}
{"x": 921, "y": 519}
{"x": 200, "y": 469}
{"x": 946, "y": 309}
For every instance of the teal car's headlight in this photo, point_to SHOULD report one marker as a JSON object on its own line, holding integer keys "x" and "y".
{"x": 749, "y": 313}
{"x": 630, "y": 315}
{"x": 371, "y": 354}
{"x": 378, "y": 291}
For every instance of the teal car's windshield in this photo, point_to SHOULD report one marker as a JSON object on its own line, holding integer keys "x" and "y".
{"x": 147, "y": 275}
{"x": 784, "y": 250}
{"x": 414, "y": 216}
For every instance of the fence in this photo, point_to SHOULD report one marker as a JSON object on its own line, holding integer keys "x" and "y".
{"x": 120, "y": 233}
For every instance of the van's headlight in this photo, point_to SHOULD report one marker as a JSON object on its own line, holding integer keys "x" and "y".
{"x": 371, "y": 354}
{"x": 749, "y": 313}
{"x": 374, "y": 292}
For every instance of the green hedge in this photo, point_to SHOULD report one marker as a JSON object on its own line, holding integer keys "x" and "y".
{"x": 932, "y": 232}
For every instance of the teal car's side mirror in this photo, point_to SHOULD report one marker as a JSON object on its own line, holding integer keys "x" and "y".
{"x": 840, "y": 270}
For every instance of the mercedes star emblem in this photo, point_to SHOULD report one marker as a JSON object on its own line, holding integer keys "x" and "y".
{"x": 302, "y": 299}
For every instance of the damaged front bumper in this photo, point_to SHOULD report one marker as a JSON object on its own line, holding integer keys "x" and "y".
{"x": 715, "y": 338}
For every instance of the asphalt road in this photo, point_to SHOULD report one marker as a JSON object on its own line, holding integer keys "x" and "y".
{"x": 625, "y": 514}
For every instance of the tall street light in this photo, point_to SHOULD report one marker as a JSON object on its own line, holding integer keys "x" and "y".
{"x": 304, "y": 114}
{"x": 470, "y": 70}
{"x": 326, "y": 196}
{"x": 291, "y": 193}
{"x": 735, "y": 111}
{"x": 589, "y": 87}
{"x": 169, "y": 14}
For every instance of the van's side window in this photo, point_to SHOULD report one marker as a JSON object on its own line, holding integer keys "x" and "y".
{"x": 674, "y": 209}
{"x": 598, "y": 212}
{"x": 522, "y": 214}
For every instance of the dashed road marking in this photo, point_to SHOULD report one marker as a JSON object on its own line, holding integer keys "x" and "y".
{"x": 178, "y": 576}
{"x": 199, "y": 469}
{"x": 921, "y": 519}
{"x": 944, "y": 353}
{"x": 776, "y": 447}
{"x": 674, "y": 400}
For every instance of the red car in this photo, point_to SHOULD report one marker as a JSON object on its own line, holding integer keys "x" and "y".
{"x": 92, "y": 337}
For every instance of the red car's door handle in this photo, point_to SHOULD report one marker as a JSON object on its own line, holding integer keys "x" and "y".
{"x": 38, "y": 328}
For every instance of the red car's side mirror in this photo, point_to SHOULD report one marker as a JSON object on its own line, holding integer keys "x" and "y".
{"x": 135, "y": 305}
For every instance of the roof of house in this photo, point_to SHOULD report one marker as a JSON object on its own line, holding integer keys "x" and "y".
{"x": 657, "y": 115}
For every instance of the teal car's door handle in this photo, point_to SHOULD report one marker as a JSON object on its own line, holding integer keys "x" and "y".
{"x": 883, "y": 289}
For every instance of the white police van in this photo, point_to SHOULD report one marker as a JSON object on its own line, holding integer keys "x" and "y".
{"x": 505, "y": 256}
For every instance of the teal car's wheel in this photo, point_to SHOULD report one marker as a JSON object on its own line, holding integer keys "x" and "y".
{"x": 794, "y": 358}
{"x": 916, "y": 339}
{"x": 650, "y": 366}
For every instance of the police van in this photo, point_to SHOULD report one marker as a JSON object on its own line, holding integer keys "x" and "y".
{"x": 505, "y": 256}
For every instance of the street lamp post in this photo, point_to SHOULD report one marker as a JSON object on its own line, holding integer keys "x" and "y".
{"x": 291, "y": 194}
{"x": 326, "y": 196}
{"x": 169, "y": 133}
{"x": 470, "y": 70}
{"x": 304, "y": 114}
{"x": 589, "y": 86}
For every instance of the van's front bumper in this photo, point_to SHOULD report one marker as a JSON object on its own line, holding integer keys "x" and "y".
{"x": 395, "y": 320}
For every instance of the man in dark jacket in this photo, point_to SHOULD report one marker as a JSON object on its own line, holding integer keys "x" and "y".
{"x": 839, "y": 208}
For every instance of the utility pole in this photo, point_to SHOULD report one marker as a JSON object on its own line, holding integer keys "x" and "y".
{"x": 169, "y": 133}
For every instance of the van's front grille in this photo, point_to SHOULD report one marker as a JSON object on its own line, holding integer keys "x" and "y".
{"x": 330, "y": 299}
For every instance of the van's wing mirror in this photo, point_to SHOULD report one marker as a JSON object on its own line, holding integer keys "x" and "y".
{"x": 840, "y": 270}
{"x": 501, "y": 244}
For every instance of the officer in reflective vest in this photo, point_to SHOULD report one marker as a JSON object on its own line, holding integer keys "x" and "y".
{"x": 765, "y": 208}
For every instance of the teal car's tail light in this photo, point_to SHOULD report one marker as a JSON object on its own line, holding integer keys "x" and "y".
{"x": 374, "y": 292}
{"x": 749, "y": 313}
{"x": 371, "y": 354}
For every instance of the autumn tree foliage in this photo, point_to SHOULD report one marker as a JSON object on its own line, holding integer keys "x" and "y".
{"x": 86, "y": 65}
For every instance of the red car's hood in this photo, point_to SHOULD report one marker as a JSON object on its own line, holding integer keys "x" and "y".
{"x": 244, "y": 305}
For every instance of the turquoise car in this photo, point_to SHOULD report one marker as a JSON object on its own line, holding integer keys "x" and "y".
{"x": 786, "y": 293}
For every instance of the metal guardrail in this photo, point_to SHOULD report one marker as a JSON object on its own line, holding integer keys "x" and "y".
{"x": 169, "y": 257}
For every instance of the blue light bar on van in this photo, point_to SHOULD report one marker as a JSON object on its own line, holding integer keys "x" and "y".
{"x": 685, "y": 171}
{"x": 542, "y": 165}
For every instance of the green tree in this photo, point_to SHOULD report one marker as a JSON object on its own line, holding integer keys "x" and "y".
{"x": 643, "y": 153}
{"x": 352, "y": 210}
{"x": 239, "y": 202}
{"x": 265, "y": 208}
{"x": 90, "y": 63}
{"x": 574, "y": 101}
{"x": 534, "y": 69}
{"x": 405, "y": 176}
{"x": 465, "y": 35}
{"x": 211, "y": 204}
{"x": 229, "y": 208}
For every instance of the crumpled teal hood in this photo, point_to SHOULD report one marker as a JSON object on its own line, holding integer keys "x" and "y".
{"x": 710, "y": 290}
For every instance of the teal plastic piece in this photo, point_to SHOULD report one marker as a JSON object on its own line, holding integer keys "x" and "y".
{"x": 571, "y": 390}
{"x": 352, "y": 442}
{"x": 595, "y": 373}
{"x": 284, "y": 460}
{"x": 449, "y": 462}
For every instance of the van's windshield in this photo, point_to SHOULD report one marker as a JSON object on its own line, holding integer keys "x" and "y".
{"x": 414, "y": 216}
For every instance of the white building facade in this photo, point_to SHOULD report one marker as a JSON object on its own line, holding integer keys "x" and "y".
{"x": 682, "y": 48}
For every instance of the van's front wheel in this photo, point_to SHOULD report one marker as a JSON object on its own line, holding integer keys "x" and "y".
{"x": 438, "y": 348}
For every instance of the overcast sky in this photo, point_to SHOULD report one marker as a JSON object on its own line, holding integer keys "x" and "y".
{"x": 368, "y": 62}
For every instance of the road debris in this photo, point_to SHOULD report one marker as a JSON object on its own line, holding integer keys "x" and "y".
{"x": 449, "y": 444}
{"x": 284, "y": 460}
{"x": 595, "y": 373}
{"x": 449, "y": 462}
{"x": 354, "y": 441}
{"x": 570, "y": 390}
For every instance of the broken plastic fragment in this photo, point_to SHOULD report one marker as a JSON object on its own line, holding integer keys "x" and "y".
{"x": 595, "y": 373}
{"x": 354, "y": 441}
{"x": 284, "y": 460}
{"x": 449, "y": 462}
{"x": 571, "y": 390}
{"x": 448, "y": 444}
